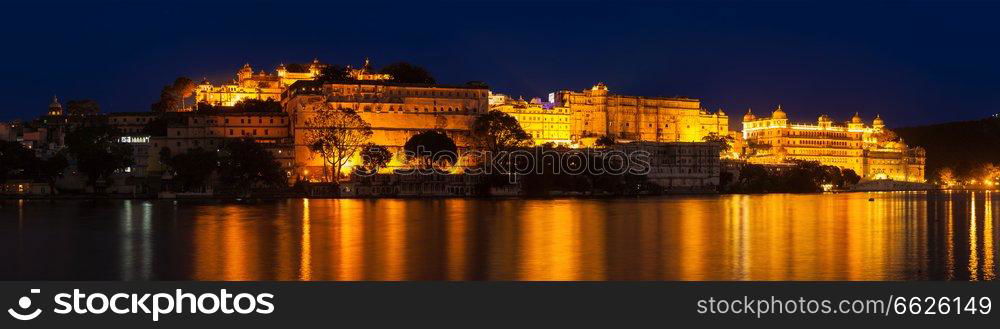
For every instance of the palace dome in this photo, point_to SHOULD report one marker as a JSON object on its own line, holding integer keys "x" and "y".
{"x": 720, "y": 112}
{"x": 878, "y": 120}
{"x": 55, "y": 103}
{"x": 824, "y": 118}
{"x": 856, "y": 118}
{"x": 779, "y": 113}
{"x": 749, "y": 116}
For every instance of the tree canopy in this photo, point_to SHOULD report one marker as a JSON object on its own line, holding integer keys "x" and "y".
{"x": 98, "y": 152}
{"x": 408, "y": 73}
{"x": 82, "y": 107}
{"x": 431, "y": 148}
{"x": 605, "y": 140}
{"x": 256, "y": 105}
{"x": 193, "y": 168}
{"x": 336, "y": 135}
{"x": 497, "y": 131}
{"x": 174, "y": 96}
{"x": 334, "y": 73}
{"x": 244, "y": 164}
{"x": 373, "y": 158}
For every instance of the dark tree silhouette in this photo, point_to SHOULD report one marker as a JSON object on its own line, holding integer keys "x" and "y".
{"x": 373, "y": 158}
{"x": 82, "y": 107}
{"x": 408, "y": 73}
{"x": 334, "y": 73}
{"x": 605, "y": 141}
{"x": 244, "y": 164}
{"x": 15, "y": 159}
{"x": 496, "y": 131}
{"x": 431, "y": 148}
{"x": 98, "y": 152}
{"x": 193, "y": 168}
{"x": 175, "y": 95}
{"x": 964, "y": 146}
{"x": 256, "y": 105}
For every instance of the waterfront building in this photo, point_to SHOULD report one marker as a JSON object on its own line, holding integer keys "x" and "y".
{"x": 395, "y": 111}
{"x": 596, "y": 112}
{"x": 873, "y": 152}
{"x": 545, "y": 122}
{"x": 210, "y": 130}
{"x": 130, "y": 123}
{"x": 679, "y": 167}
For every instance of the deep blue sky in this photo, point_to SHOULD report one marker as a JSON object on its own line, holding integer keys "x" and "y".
{"x": 914, "y": 63}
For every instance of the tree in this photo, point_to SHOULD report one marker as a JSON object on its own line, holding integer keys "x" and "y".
{"x": 82, "y": 107}
{"x": 167, "y": 102}
{"x": 192, "y": 168}
{"x": 51, "y": 169}
{"x": 496, "y": 131}
{"x": 14, "y": 159}
{"x": 851, "y": 177}
{"x": 373, "y": 158}
{"x": 605, "y": 140}
{"x": 297, "y": 68}
{"x": 334, "y": 73}
{"x": 431, "y": 148}
{"x": 408, "y": 73}
{"x": 175, "y": 95}
{"x": 725, "y": 141}
{"x": 256, "y": 105}
{"x": 98, "y": 152}
{"x": 244, "y": 164}
{"x": 753, "y": 148}
{"x": 946, "y": 176}
{"x": 182, "y": 89}
{"x": 336, "y": 135}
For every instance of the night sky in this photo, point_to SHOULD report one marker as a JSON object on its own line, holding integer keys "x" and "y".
{"x": 912, "y": 63}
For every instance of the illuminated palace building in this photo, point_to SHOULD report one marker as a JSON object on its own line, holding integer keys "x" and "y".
{"x": 395, "y": 111}
{"x": 596, "y": 112}
{"x": 260, "y": 85}
{"x": 546, "y": 122}
{"x": 873, "y": 152}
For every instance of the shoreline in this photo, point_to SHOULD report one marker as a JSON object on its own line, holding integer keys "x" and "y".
{"x": 526, "y": 197}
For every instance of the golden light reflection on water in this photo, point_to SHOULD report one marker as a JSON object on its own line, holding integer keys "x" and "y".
{"x": 896, "y": 236}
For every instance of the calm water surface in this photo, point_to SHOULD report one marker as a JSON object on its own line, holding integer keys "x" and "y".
{"x": 898, "y": 236}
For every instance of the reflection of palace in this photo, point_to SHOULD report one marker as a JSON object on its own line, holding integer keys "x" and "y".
{"x": 873, "y": 152}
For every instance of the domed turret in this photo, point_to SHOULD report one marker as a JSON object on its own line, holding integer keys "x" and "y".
{"x": 55, "y": 108}
{"x": 749, "y": 116}
{"x": 245, "y": 72}
{"x": 856, "y": 118}
{"x": 720, "y": 112}
{"x": 315, "y": 67}
{"x": 878, "y": 123}
{"x": 779, "y": 113}
{"x": 824, "y": 118}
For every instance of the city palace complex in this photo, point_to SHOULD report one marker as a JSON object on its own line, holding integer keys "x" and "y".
{"x": 575, "y": 119}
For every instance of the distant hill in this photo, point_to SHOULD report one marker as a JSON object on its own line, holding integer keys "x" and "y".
{"x": 962, "y": 146}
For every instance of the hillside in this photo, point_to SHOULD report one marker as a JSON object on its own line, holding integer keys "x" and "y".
{"x": 963, "y": 146}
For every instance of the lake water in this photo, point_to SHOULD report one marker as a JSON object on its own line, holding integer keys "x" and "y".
{"x": 897, "y": 236}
